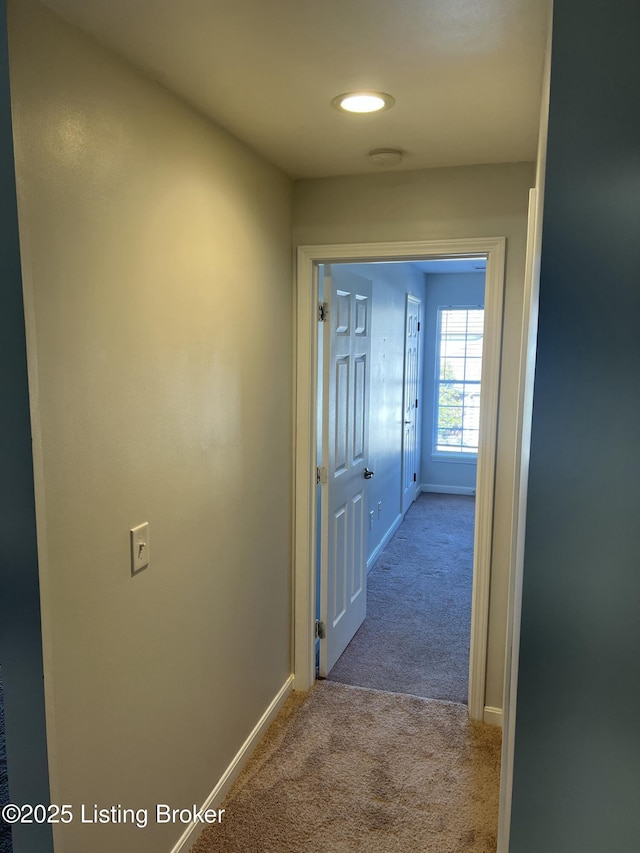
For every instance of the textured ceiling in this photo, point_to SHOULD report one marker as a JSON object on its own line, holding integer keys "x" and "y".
{"x": 466, "y": 74}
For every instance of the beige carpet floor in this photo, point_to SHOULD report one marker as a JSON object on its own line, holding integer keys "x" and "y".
{"x": 350, "y": 769}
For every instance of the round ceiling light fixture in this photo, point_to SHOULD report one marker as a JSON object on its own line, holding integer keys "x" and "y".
{"x": 362, "y": 102}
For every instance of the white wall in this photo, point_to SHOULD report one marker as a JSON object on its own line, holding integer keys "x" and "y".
{"x": 157, "y": 271}
{"x": 464, "y": 289}
{"x": 473, "y": 201}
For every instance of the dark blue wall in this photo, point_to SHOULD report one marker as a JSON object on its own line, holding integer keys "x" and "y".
{"x": 20, "y": 635}
{"x": 577, "y": 755}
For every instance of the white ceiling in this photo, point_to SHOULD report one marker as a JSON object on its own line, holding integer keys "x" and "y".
{"x": 466, "y": 74}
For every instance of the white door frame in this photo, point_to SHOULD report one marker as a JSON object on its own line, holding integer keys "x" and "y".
{"x": 417, "y": 410}
{"x": 305, "y": 437}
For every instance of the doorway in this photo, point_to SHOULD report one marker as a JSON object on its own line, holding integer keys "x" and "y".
{"x": 306, "y": 529}
{"x": 423, "y": 402}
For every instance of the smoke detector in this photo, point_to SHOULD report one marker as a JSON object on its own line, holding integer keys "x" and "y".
{"x": 385, "y": 157}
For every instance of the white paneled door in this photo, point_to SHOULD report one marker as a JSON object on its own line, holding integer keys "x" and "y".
{"x": 410, "y": 458}
{"x": 345, "y": 439}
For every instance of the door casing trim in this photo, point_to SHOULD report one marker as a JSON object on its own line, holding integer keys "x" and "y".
{"x": 410, "y": 298}
{"x": 305, "y": 436}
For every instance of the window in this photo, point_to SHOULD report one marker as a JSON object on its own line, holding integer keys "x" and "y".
{"x": 458, "y": 371}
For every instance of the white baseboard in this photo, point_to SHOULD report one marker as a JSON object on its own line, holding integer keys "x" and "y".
{"x": 376, "y": 552}
{"x": 447, "y": 490}
{"x": 189, "y": 836}
{"x": 492, "y": 716}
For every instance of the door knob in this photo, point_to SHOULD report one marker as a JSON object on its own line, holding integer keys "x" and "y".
{"x": 368, "y": 474}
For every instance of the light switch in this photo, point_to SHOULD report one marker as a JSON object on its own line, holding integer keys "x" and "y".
{"x": 139, "y": 547}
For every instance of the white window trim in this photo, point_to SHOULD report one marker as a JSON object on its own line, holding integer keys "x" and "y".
{"x": 456, "y": 458}
{"x": 467, "y": 456}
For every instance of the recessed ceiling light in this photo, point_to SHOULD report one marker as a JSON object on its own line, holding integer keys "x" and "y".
{"x": 362, "y": 102}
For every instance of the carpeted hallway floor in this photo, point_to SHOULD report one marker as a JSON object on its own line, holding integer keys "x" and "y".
{"x": 349, "y": 770}
{"x": 415, "y": 638}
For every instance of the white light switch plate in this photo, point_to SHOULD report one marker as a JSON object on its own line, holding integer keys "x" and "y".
{"x": 139, "y": 547}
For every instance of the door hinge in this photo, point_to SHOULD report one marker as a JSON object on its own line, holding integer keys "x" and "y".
{"x": 415, "y": 478}
{"x": 416, "y": 403}
{"x": 321, "y": 476}
{"x": 323, "y": 312}
{"x": 418, "y": 325}
{"x": 321, "y": 632}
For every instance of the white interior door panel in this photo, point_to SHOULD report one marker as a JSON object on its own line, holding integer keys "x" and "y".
{"x": 347, "y": 356}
